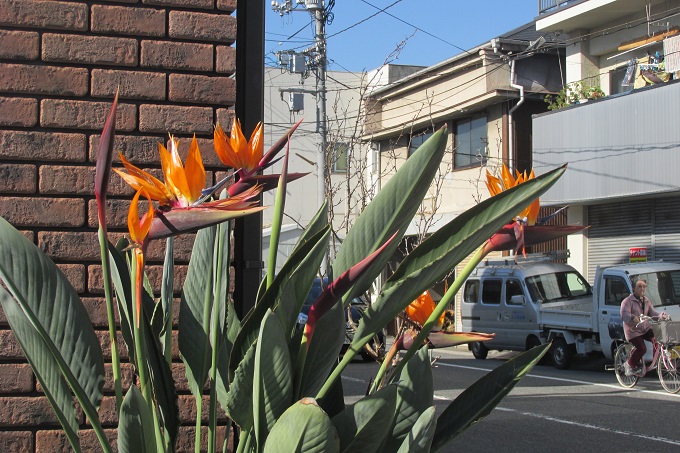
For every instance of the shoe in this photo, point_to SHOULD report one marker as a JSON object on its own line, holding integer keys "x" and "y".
{"x": 638, "y": 370}
{"x": 628, "y": 369}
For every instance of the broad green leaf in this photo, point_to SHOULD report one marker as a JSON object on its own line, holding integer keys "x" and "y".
{"x": 136, "y": 428}
{"x": 304, "y": 427}
{"x": 419, "y": 439}
{"x": 362, "y": 426}
{"x": 233, "y": 326}
{"x": 415, "y": 395}
{"x": 444, "y": 249}
{"x": 273, "y": 377}
{"x": 295, "y": 280}
{"x": 167, "y": 286}
{"x": 239, "y": 401}
{"x": 49, "y": 320}
{"x": 323, "y": 350}
{"x": 195, "y": 308}
{"x": 390, "y": 211}
{"x": 120, "y": 275}
{"x": 478, "y": 400}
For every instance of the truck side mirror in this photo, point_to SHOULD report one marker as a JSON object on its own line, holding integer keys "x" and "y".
{"x": 518, "y": 300}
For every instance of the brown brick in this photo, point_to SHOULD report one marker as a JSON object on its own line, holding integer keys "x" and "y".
{"x": 66, "y": 180}
{"x": 126, "y": 20}
{"x": 43, "y": 212}
{"x": 20, "y": 112}
{"x": 154, "y": 272}
{"x": 42, "y": 146}
{"x": 27, "y": 411}
{"x": 9, "y": 346}
{"x": 96, "y": 310}
{"x": 177, "y": 55}
{"x": 116, "y": 213}
{"x": 225, "y": 118}
{"x": 127, "y": 376}
{"x": 132, "y": 84}
{"x": 19, "y": 45}
{"x": 70, "y": 246}
{"x": 202, "y": 90}
{"x": 16, "y": 441}
{"x": 186, "y": 438}
{"x": 105, "y": 342}
{"x": 75, "y": 273}
{"x": 17, "y": 178}
{"x": 207, "y": 148}
{"x": 226, "y": 59}
{"x": 31, "y": 79}
{"x": 202, "y": 26}
{"x": 44, "y": 14}
{"x": 187, "y": 409}
{"x": 227, "y": 5}
{"x": 16, "y": 378}
{"x": 175, "y": 119}
{"x": 201, "y": 4}
{"x": 139, "y": 150}
{"x": 51, "y": 441}
{"x": 89, "y": 49}
{"x": 85, "y": 115}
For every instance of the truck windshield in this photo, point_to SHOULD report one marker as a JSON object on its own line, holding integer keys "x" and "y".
{"x": 557, "y": 286}
{"x": 663, "y": 288}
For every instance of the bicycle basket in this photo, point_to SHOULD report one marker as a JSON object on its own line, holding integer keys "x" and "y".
{"x": 666, "y": 331}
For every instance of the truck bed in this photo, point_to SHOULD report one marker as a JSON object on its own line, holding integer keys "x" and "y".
{"x": 569, "y": 314}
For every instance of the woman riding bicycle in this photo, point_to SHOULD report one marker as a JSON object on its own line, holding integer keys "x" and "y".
{"x": 636, "y": 332}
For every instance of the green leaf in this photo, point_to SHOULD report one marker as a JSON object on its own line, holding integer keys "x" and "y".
{"x": 415, "y": 395}
{"x": 323, "y": 350}
{"x": 478, "y": 400}
{"x": 334, "y": 401}
{"x": 136, "y": 429}
{"x": 304, "y": 427}
{"x": 167, "y": 286}
{"x": 273, "y": 377}
{"x": 419, "y": 439}
{"x": 195, "y": 308}
{"x": 239, "y": 404}
{"x": 233, "y": 326}
{"x": 391, "y": 210}
{"x": 120, "y": 275}
{"x": 444, "y": 249}
{"x": 50, "y": 323}
{"x": 295, "y": 279}
{"x": 362, "y": 426}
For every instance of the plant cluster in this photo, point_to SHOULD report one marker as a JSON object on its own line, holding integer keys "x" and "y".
{"x": 573, "y": 93}
{"x": 280, "y": 386}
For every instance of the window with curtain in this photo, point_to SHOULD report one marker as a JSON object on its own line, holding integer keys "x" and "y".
{"x": 470, "y": 142}
{"x": 340, "y": 156}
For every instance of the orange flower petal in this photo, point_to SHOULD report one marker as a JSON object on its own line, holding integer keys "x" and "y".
{"x": 139, "y": 229}
{"x": 194, "y": 171}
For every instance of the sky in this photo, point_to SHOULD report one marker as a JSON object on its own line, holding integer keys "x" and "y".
{"x": 431, "y": 30}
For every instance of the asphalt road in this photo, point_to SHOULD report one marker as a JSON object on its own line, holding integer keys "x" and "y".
{"x": 582, "y": 409}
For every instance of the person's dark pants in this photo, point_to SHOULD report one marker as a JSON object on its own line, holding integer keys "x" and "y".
{"x": 640, "y": 348}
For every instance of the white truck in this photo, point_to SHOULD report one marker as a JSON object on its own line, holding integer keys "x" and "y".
{"x": 534, "y": 301}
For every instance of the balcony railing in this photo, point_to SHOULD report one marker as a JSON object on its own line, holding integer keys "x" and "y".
{"x": 550, "y": 6}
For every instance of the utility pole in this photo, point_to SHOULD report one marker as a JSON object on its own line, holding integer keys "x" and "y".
{"x": 311, "y": 59}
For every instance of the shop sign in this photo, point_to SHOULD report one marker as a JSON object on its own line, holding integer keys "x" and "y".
{"x": 637, "y": 254}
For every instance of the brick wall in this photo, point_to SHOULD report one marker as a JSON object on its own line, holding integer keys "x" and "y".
{"x": 60, "y": 65}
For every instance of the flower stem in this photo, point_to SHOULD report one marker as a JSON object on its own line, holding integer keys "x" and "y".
{"x": 438, "y": 311}
{"x": 110, "y": 315}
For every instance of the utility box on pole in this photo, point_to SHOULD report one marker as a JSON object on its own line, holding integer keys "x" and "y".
{"x": 296, "y": 102}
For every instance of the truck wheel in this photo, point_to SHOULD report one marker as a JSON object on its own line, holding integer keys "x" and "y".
{"x": 479, "y": 350}
{"x": 561, "y": 353}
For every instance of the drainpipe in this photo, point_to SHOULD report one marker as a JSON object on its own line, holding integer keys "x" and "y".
{"x": 512, "y": 126}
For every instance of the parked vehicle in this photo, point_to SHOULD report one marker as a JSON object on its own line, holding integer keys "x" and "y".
{"x": 534, "y": 301}
{"x": 374, "y": 349}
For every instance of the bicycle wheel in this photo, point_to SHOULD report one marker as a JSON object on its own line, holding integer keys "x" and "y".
{"x": 669, "y": 375}
{"x": 620, "y": 359}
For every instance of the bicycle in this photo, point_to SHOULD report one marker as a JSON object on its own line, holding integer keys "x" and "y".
{"x": 666, "y": 358}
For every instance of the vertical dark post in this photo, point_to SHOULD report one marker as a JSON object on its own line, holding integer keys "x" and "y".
{"x": 250, "y": 110}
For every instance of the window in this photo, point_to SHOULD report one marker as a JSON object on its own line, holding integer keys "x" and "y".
{"x": 471, "y": 291}
{"x": 340, "y": 156}
{"x": 491, "y": 291}
{"x": 417, "y": 140}
{"x": 557, "y": 286}
{"x": 616, "y": 80}
{"x": 470, "y": 142}
{"x": 615, "y": 290}
{"x": 512, "y": 288}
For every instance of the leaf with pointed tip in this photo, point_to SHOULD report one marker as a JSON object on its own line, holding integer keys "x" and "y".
{"x": 304, "y": 427}
{"x": 362, "y": 427}
{"x": 273, "y": 383}
{"x": 443, "y": 339}
{"x": 233, "y": 326}
{"x": 120, "y": 275}
{"x": 478, "y": 400}
{"x": 444, "y": 249}
{"x": 188, "y": 220}
{"x": 50, "y": 323}
{"x": 136, "y": 426}
{"x": 239, "y": 404}
{"x": 104, "y": 158}
{"x": 194, "y": 314}
{"x": 419, "y": 439}
{"x": 390, "y": 211}
{"x": 415, "y": 395}
{"x": 323, "y": 350}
